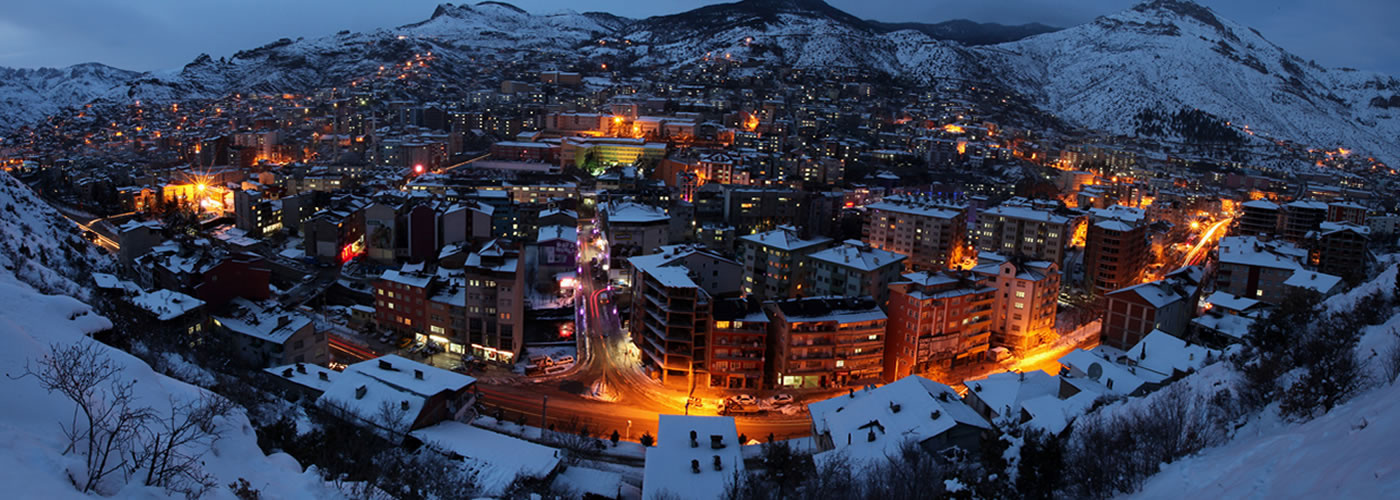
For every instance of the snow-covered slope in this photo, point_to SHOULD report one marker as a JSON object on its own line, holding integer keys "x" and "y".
{"x": 40, "y": 247}
{"x": 34, "y": 464}
{"x": 1174, "y": 55}
{"x": 27, "y": 95}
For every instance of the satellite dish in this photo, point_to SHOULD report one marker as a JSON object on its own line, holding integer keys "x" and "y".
{"x": 1095, "y": 371}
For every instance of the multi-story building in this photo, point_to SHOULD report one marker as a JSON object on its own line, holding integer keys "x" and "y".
{"x": 826, "y": 342}
{"x": 255, "y": 215}
{"x": 1167, "y": 304}
{"x": 1116, "y": 251}
{"x": 1340, "y": 248}
{"x": 1347, "y": 211}
{"x": 1017, "y": 229}
{"x": 1298, "y": 218}
{"x": 672, "y": 296}
{"x": 933, "y": 235}
{"x": 607, "y": 151}
{"x": 775, "y": 262}
{"x": 1256, "y": 269}
{"x": 738, "y": 344}
{"x": 633, "y": 228}
{"x": 853, "y": 269}
{"x": 495, "y": 284}
{"x": 265, "y": 334}
{"x": 337, "y": 234}
{"x": 939, "y": 319}
{"x": 400, "y": 298}
{"x": 1260, "y": 218}
{"x": 1027, "y": 296}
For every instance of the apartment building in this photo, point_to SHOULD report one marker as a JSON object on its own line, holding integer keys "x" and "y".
{"x": 775, "y": 262}
{"x": 1016, "y": 228}
{"x": 1027, "y": 299}
{"x": 853, "y": 269}
{"x": 738, "y": 344}
{"x": 937, "y": 319}
{"x": 673, "y": 293}
{"x": 826, "y": 341}
{"x": 1116, "y": 249}
{"x": 932, "y": 234}
{"x": 1167, "y": 304}
{"x": 1256, "y": 269}
{"x": 1259, "y": 218}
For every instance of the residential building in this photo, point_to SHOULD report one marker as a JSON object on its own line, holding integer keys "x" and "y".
{"x": 853, "y": 269}
{"x": 1016, "y": 228}
{"x": 266, "y": 334}
{"x": 1256, "y": 269}
{"x": 672, "y": 297}
{"x": 1259, "y": 218}
{"x": 1116, "y": 250}
{"x": 694, "y": 458}
{"x": 775, "y": 262}
{"x": 826, "y": 341}
{"x": 1340, "y": 248}
{"x": 1167, "y": 304}
{"x": 937, "y": 319}
{"x": 1298, "y": 218}
{"x": 494, "y": 291}
{"x": 1027, "y": 297}
{"x": 870, "y": 425}
{"x": 932, "y": 235}
{"x": 738, "y": 344}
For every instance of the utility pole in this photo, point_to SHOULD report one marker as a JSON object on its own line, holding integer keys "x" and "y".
{"x": 544, "y": 412}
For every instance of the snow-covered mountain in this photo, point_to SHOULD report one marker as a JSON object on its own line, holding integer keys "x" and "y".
{"x": 41, "y": 248}
{"x": 1173, "y": 55}
{"x": 27, "y": 95}
{"x": 1163, "y": 55}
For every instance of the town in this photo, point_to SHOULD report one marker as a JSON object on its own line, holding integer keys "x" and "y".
{"x": 621, "y": 282}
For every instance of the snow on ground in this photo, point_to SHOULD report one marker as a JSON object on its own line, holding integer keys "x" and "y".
{"x": 1347, "y": 453}
{"x": 494, "y": 459}
{"x": 36, "y": 466}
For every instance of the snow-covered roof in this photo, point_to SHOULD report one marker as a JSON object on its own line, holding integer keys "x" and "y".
{"x": 1094, "y": 373}
{"x": 627, "y": 212}
{"x": 1327, "y": 228}
{"x": 1053, "y": 414}
{"x": 407, "y": 278}
{"x": 366, "y": 389}
{"x": 668, "y": 470}
{"x": 566, "y": 233}
{"x": 402, "y": 373}
{"x": 838, "y": 309}
{"x": 305, "y": 375}
{"x": 914, "y": 206}
{"x": 1024, "y": 213}
{"x": 1260, "y": 204}
{"x": 165, "y": 304}
{"x": 1231, "y": 302}
{"x": 1004, "y": 392}
{"x": 1313, "y": 280}
{"x": 784, "y": 238}
{"x": 859, "y": 256}
{"x": 1158, "y": 293}
{"x": 1233, "y": 325}
{"x": 266, "y": 321}
{"x": 911, "y": 408}
{"x": 495, "y": 460}
{"x": 586, "y": 481}
{"x": 1250, "y": 251}
{"x": 1164, "y": 354}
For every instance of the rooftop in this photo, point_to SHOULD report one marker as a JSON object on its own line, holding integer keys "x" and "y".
{"x": 859, "y": 256}
{"x": 873, "y": 423}
{"x": 668, "y": 466}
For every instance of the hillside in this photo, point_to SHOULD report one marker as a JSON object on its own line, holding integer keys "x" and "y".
{"x": 33, "y": 321}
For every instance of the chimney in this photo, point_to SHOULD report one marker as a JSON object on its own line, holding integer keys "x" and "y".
{"x": 694, "y": 466}
{"x": 894, "y": 407}
{"x": 384, "y": 365}
{"x": 935, "y": 414}
{"x": 360, "y": 392}
{"x": 716, "y": 441}
{"x": 418, "y": 374}
{"x": 719, "y": 465}
{"x": 283, "y": 320}
{"x": 693, "y": 442}
{"x": 324, "y": 376}
{"x": 287, "y": 373}
{"x": 301, "y": 368}
{"x": 404, "y": 405}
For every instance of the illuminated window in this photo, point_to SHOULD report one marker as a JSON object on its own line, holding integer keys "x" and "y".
{"x": 1020, "y": 294}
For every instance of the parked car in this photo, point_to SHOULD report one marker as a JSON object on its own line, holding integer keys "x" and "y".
{"x": 782, "y": 399}
{"x": 745, "y": 399}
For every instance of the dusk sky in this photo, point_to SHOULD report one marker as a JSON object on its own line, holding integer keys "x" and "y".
{"x": 162, "y": 34}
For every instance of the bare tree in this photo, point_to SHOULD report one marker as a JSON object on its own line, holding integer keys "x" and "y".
{"x": 1390, "y": 359}
{"x": 173, "y": 447}
{"x": 106, "y": 421}
{"x": 394, "y": 419}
